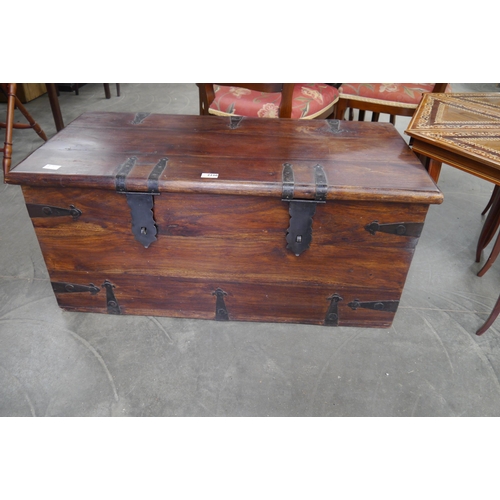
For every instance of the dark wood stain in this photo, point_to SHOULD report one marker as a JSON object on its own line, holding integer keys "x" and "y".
{"x": 228, "y": 232}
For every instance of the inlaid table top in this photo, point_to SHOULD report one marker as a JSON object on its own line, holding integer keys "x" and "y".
{"x": 462, "y": 130}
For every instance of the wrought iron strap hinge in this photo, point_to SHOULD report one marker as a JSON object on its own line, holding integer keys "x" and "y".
{"x": 399, "y": 228}
{"x": 376, "y": 305}
{"x": 154, "y": 176}
{"x": 334, "y": 126}
{"x": 124, "y": 169}
{"x": 234, "y": 122}
{"x": 288, "y": 182}
{"x": 139, "y": 118}
{"x": 49, "y": 211}
{"x": 62, "y": 287}
{"x": 332, "y": 315}
{"x": 111, "y": 302}
{"x": 221, "y": 313}
{"x": 299, "y": 233}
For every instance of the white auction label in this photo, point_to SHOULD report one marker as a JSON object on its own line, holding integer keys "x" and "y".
{"x": 52, "y": 167}
{"x": 209, "y": 176}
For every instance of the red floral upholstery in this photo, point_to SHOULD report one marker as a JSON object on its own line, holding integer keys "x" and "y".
{"x": 309, "y": 101}
{"x": 405, "y": 94}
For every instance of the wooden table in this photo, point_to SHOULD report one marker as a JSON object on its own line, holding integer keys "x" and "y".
{"x": 463, "y": 130}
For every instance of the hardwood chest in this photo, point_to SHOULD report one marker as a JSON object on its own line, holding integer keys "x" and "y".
{"x": 227, "y": 218}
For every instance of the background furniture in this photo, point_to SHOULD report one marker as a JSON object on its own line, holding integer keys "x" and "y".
{"x": 463, "y": 130}
{"x": 268, "y": 100}
{"x": 13, "y": 102}
{"x": 26, "y": 92}
{"x": 75, "y": 87}
{"x": 395, "y": 99}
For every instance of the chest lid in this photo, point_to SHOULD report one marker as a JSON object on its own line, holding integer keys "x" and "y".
{"x": 230, "y": 155}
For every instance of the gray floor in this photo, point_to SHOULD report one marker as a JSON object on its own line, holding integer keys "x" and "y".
{"x": 429, "y": 363}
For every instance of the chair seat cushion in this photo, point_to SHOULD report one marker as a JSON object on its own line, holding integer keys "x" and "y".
{"x": 309, "y": 100}
{"x": 405, "y": 94}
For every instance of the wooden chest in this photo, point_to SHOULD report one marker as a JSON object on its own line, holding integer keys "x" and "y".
{"x": 228, "y": 218}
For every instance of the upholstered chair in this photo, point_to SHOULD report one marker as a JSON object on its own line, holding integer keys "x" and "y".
{"x": 268, "y": 100}
{"x": 395, "y": 99}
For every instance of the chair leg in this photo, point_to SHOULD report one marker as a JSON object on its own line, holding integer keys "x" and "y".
{"x": 361, "y": 115}
{"x": 54, "y": 105}
{"x": 107, "y": 92}
{"x": 392, "y": 119}
{"x": 340, "y": 109}
{"x": 375, "y": 117}
{"x": 118, "y": 90}
{"x": 492, "y": 317}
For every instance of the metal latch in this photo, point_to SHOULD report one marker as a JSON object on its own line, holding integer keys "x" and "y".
{"x": 143, "y": 224}
{"x": 144, "y": 227}
{"x": 299, "y": 233}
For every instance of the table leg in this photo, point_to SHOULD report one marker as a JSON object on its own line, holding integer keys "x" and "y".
{"x": 54, "y": 104}
{"x": 492, "y": 317}
{"x": 490, "y": 227}
{"x": 493, "y": 195}
{"x": 491, "y": 258}
{"x": 434, "y": 169}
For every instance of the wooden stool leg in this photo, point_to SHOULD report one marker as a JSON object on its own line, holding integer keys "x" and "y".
{"x": 492, "y": 317}
{"x": 10, "y": 91}
{"x": 34, "y": 125}
{"x": 490, "y": 227}
{"x": 107, "y": 92}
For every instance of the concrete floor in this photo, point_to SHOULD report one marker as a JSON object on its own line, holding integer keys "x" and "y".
{"x": 429, "y": 363}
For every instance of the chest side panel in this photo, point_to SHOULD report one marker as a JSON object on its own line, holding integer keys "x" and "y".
{"x": 235, "y": 242}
